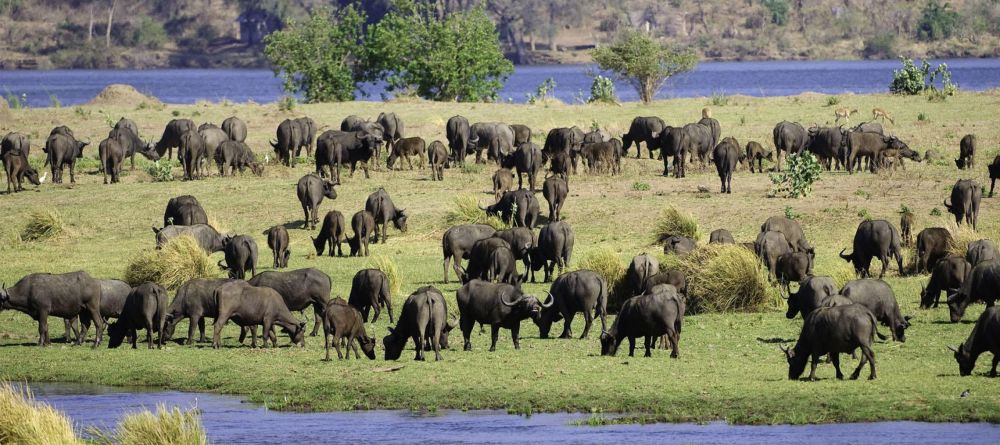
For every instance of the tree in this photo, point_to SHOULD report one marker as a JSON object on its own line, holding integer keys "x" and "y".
{"x": 643, "y": 61}
{"x": 318, "y": 58}
{"x": 454, "y": 58}
{"x": 938, "y": 21}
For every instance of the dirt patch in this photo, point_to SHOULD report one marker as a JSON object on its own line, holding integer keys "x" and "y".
{"x": 122, "y": 95}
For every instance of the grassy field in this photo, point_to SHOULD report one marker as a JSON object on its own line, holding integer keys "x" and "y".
{"x": 730, "y": 366}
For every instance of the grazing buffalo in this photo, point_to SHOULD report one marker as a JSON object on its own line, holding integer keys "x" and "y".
{"x": 63, "y": 151}
{"x": 874, "y": 239}
{"x": 236, "y": 156}
{"x": 639, "y": 270}
{"x": 555, "y": 191}
{"x": 17, "y": 169}
{"x": 521, "y": 241}
{"x": 522, "y": 202}
{"x": 370, "y": 289}
{"x": 561, "y": 140}
{"x": 813, "y": 292}
{"x": 793, "y": 266}
{"x": 833, "y": 330}
{"x": 994, "y": 170}
{"x": 522, "y": 134}
{"x": 334, "y": 148}
{"x": 672, "y": 277}
{"x": 756, "y": 153}
{"x": 437, "y": 157}
{"x": 932, "y": 245}
{"x": 691, "y": 140}
{"x": 17, "y": 142}
{"x": 307, "y": 129}
{"x": 726, "y": 157}
{"x": 214, "y": 137}
{"x": 981, "y": 250}
{"x": 964, "y": 201}
{"x": 985, "y": 337}
{"x": 64, "y": 295}
{"x": 497, "y": 137}
{"x": 789, "y": 138}
{"x": 393, "y": 126}
{"x": 277, "y": 240}
{"x": 949, "y": 274}
{"x": 205, "y": 235}
{"x": 332, "y": 232}
{"x": 171, "y": 137}
{"x": 643, "y": 129}
{"x": 299, "y": 289}
{"x": 145, "y": 308}
{"x": 113, "y": 295}
{"x": 458, "y": 138}
{"x": 877, "y": 296}
{"x": 355, "y": 123}
{"x": 241, "y": 256}
{"x": 195, "y": 299}
{"x": 791, "y": 230}
{"x": 966, "y": 152}
{"x": 457, "y": 242}
{"x": 498, "y": 305}
{"x": 311, "y": 190}
{"x": 869, "y": 145}
{"x": 363, "y": 225}
{"x": 407, "y": 147}
{"x": 555, "y": 248}
{"x": 380, "y": 205}
{"x": 715, "y": 128}
{"x": 127, "y": 124}
{"x": 980, "y": 285}
{"x": 491, "y": 259}
{"x": 679, "y": 245}
{"x": 424, "y": 318}
{"x": 248, "y": 305}
{"x": 184, "y": 210}
{"x": 289, "y": 137}
{"x": 603, "y": 156}
{"x": 132, "y": 144}
{"x": 657, "y": 313}
{"x": 770, "y": 246}
{"x": 721, "y": 236}
{"x": 192, "y": 152}
{"x": 344, "y": 323}
{"x": 579, "y": 291}
{"x": 527, "y": 161}
{"x": 111, "y": 153}
{"x": 503, "y": 182}
{"x": 235, "y": 128}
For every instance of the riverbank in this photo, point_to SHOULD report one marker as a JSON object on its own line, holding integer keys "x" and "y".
{"x": 730, "y": 367}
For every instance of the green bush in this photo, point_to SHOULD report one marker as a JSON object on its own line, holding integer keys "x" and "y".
{"x": 832, "y": 100}
{"x": 801, "y": 172}
{"x": 640, "y": 186}
{"x": 160, "y": 172}
{"x": 937, "y": 21}
{"x": 287, "y": 104}
{"x": 644, "y": 61}
{"x": 602, "y": 89}
{"x": 911, "y": 80}
{"x": 147, "y": 33}
{"x": 542, "y": 91}
{"x": 778, "y": 10}
{"x": 720, "y": 100}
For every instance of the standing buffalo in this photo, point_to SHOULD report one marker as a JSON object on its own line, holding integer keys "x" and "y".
{"x": 63, "y": 151}
{"x": 311, "y": 189}
{"x": 407, "y": 147}
{"x": 65, "y": 295}
{"x": 424, "y": 317}
{"x": 789, "y": 138}
{"x": 332, "y": 232}
{"x": 277, "y": 240}
{"x": 643, "y": 129}
{"x": 370, "y": 289}
{"x": 964, "y": 201}
{"x": 874, "y": 239}
{"x": 503, "y": 181}
{"x": 145, "y": 308}
{"x": 870, "y": 145}
{"x": 578, "y": 291}
{"x": 214, "y": 137}
{"x": 980, "y": 251}
{"x": 528, "y": 161}
{"x": 994, "y": 171}
{"x": 906, "y": 227}
{"x": 555, "y": 191}
{"x": 458, "y": 137}
{"x": 949, "y": 274}
{"x": 193, "y": 150}
{"x": 289, "y": 137}
{"x": 726, "y": 157}
{"x": 714, "y": 127}
{"x": 756, "y": 153}
{"x": 131, "y": 144}
{"x": 603, "y": 156}
{"x": 657, "y": 313}
{"x": 555, "y": 248}
{"x": 307, "y": 132}
{"x": 344, "y": 323}
{"x": 877, "y": 296}
{"x": 833, "y": 330}
{"x": 334, "y": 148}
{"x": 195, "y": 299}
{"x": 437, "y": 157}
{"x": 364, "y": 225}
{"x": 236, "y": 156}
{"x": 985, "y": 337}
{"x": 491, "y": 259}
{"x": 794, "y": 266}
{"x": 497, "y": 135}
{"x": 184, "y": 210}
{"x": 380, "y": 205}
{"x": 521, "y": 241}
{"x": 639, "y": 270}
{"x": 813, "y": 291}
{"x": 791, "y": 230}
{"x": 487, "y": 303}
{"x": 16, "y": 167}
{"x": 522, "y": 202}
{"x": 828, "y": 144}
{"x": 111, "y": 154}
{"x": 248, "y": 305}
{"x": 522, "y": 134}
{"x": 171, "y": 137}
{"x": 980, "y": 285}
{"x": 457, "y": 242}
{"x": 393, "y": 126}
{"x": 967, "y": 152}
{"x": 235, "y": 128}
{"x": 299, "y": 289}
{"x": 932, "y": 245}
{"x": 770, "y": 246}
{"x": 241, "y": 256}
{"x": 680, "y": 142}
{"x": 113, "y": 295}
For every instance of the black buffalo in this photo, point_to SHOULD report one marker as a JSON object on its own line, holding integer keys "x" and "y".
{"x": 289, "y": 137}
{"x": 555, "y": 191}
{"x": 789, "y": 138}
{"x": 833, "y": 330}
{"x": 406, "y": 147}
{"x": 171, "y": 137}
{"x": 205, "y": 235}
{"x": 498, "y": 305}
{"x": 307, "y": 133}
{"x": 521, "y": 241}
{"x": 791, "y": 230}
{"x": 195, "y": 299}
{"x": 235, "y": 128}
{"x": 813, "y": 291}
{"x": 657, "y": 313}
{"x": 948, "y": 275}
{"x": 458, "y": 137}
{"x": 277, "y": 240}
{"x": 527, "y": 161}
{"x": 726, "y": 157}
{"x": 370, "y": 290}
{"x": 241, "y": 256}
{"x": 332, "y": 232}
{"x": 311, "y": 190}
{"x": 639, "y": 270}
{"x": 184, "y": 210}
{"x": 643, "y": 129}
{"x": 299, "y": 289}
{"x": 145, "y": 308}
{"x": 519, "y": 207}
{"x": 964, "y": 201}
{"x": 672, "y": 277}
{"x": 721, "y": 236}
{"x": 678, "y": 245}
{"x": 64, "y": 295}
{"x": 16, "y": 167}
{"x": 578, "y": 291}
{"x": 457, "y": 242}
{"x": 344, "y": 323}
{"x": 193, "y": 150}
{"x": 491, "y": 259}
{"x": 63, "y": 151}
{"x": 829, "y": 145}
{"x": 248, "y": 305}
{"x": 966, "y": 152}
{"x": 236, "y": 156}
{"x": 985, "y": 337}
{"x": 424, "y": 318}
{"x": 437, "y": 158}
{"x": 932, "y": 245}
{"x": 980, "y": 285}
{"x": 393, "y": 126}
{"x": 522, "y": 134}
{"x": 981, "y": 250}
{"x": 757, "y": 153}
{"x": 877, "y": 296}
{"x": 363, "y": 225}
{"x": 769, "y": 247}
{"x": 874, "y": 239}
{"x": 111, "y": 154}
{"x": 555, "y": 248}
{"x": 794, "y": 266}
{"x": 870, "y": 145}
{"x": 380, "y": 205}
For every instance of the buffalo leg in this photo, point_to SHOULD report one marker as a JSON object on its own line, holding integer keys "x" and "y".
{"x": 388, "y": 307}
{"x": 996, "y": 361}
{"x": 435, "y": 339}
{"x": 317, "y": 319}
{"x": 835, "y": 359}
{"x": 674, "y": 344}
{"x": 648, "y": 343}
{"x": 812, "y": 369}
{"x": 631, "y": 346}
{"x": 567, "y": 326}
{"x": 220, "y": 322}
{"x": 43, "y": 328}
{"x": 447, "y": 260}
{"x": 993, "y": 184}
{"x": 466, "y": 325}
{"x": 515, "y": 335}
{"x": 494, "y": 333}
{"x": 305, "y": 219}
{"x": 194, "y": 322}
{"x": 418, "y": 340}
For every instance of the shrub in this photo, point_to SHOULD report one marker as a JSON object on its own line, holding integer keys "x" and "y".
{"x": 881, "y": 46}
{"x": 180, "y": 260}
{"x": 778, "y": 10}
{"x": 935, "y": 212}
{"x": 610, "y": 266}
{"x": 42, "y": 225}
{"x": 832, "y": 100}
{"x": 160, "y": 172}
{"x": 938, "y": 21}
{"x": 24, "y": 421}
{"x": 790, "y": 213}
{"x": 542, "y": 91}
{"x": 602, "y": 89}
{"x": 388, "y": 266}
{"x": 643, "y": 61}
{"x": 640, "y": 186}
{"x": 922, "y": 117}
{"x": 166, "y": 427}
{"x": 672, "y": 222}
{"x": 466, "y": 211}
{"x": 911, "y": 80}
{"x": 724, "y": 278}
{"x": 287, "y": 104}
{"x": 720, "y": 100}
{"x": 961, "y": 237}
{"x": 802, "y": 170}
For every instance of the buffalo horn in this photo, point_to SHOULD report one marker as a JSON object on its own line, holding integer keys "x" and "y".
{"x": 512, "y": 303}
{"x": 845, "y": 257}
{"x": 550, "y": 299}
{"x": 953, "y": 349}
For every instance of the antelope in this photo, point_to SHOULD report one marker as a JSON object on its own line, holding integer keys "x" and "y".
{"x": 878, "y": 112}
{"x": 844, "y": 113}
{"x": 706, "y": 113}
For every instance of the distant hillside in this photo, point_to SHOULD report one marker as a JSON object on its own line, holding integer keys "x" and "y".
{"x": 227, "y": 33}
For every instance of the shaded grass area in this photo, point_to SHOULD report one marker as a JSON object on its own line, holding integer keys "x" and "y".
{"x": 730, "y": 367}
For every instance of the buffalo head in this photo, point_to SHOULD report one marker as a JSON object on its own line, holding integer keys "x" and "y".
{"x": 393, "y": 346}
{"x": 296, "y": 333}
{"x": 957, "y": 303}
{"x": 796, "y": 362}
{"x": 609, "y": 344}
{"x": 328, "y": 190}
{"x": 116, "y": 334}
{"x": 964, "y": 358}
{"x": 529, "y": 304}
{"x": 368, "y": 347}
{"x": 399, "y": 220}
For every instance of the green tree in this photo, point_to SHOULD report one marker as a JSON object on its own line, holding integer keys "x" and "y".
{"x": 937, "y": 21}
{"x": 318, "y": 57}
{"x": 646, "y": 63}
{"x": 778, "y": 10}
{"x": 457, "y": 57}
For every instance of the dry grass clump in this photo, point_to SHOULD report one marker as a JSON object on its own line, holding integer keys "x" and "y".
{"x": 673, "y": 222}
{"x": 42, "y": 225}
{"x": 842, "y": 272}
{"x": 609, "y": 265}
{"x": 165, "y": 427}
{"x": 466, "y": 211}
{"x": 179, "y": 261}
{"x": 961, "y": 237}
{"x": 122, "y": 95}
{"x": 388, "y": 266}
{"x": 26, "y": 422}
{"x": 724, "y": 278}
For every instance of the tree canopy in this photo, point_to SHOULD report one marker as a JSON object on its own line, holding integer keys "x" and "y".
{"x": 643, "y": 61}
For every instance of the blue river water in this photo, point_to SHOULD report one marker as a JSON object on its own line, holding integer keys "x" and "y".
{"x": 769, "y": 78}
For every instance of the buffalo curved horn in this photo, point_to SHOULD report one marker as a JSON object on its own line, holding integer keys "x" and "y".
{"x": 952, "y": 348}
{"x": 550, "y": 299}
{"x": 781, "y": 291}
{"x": 221, "y": 266}
{"x": 783, "y": 349}
{"x": 512, "y": 303}
{"x": 845, "y": 257}
{"x": 945, "y": 202}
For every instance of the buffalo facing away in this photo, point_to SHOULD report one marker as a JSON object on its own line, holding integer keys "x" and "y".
{"x": 833, "y": 330}
{"x": 311, "y": 190}
{"x": 657, "y": 313}
{"x": 874, "y": 239}
{"x": 964, "y": 201}
{"x": 424, "y": 318}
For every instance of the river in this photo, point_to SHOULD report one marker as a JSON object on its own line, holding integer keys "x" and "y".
{"x": 228, "y": 420}
{"x": 771, "y": 78}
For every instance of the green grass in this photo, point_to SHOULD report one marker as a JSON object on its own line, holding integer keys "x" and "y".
{"x": 729, "y": 367}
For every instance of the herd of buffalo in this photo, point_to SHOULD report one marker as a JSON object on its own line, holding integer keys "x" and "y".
{"x": 835, "y": 320}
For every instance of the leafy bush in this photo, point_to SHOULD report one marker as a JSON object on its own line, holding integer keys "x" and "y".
{"x": 602, "y": 89}
{"x": 778, "y": 10}
{"x": 937, "y": 21}
{"x": 388, "y": 266}
{"x": 168, "y": 426}
{"x": 790, "y": 213}
{"x": 640, "y": 186}
{"x": 610, "y": 266}
{"x": 178, "y": 261}
{"x": 832, "y": 100}
{"x": 801, "y": 171}
{"x": 922, "y": 117}
{"x": 42, "y": 225}
{"x": 287, "y": 104}
{"x": 147, "y": 33}
{"x": 26, "y": 422}
{"x": 160, "y": 172}
{"x": 466, "y": 211}
{"x": 911, "y": 80}
{"x": 935, "y": 212}
{"x": 542, "y": 91}
{"x": 724, "y": 278}
{"x": 720, "y": 100}
{"x": 672, "y": 222}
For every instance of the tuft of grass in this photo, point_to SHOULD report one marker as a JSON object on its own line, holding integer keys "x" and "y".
{"x": 640, "y": 186}
{"x": 181, "y": 259}
{"x": 168, "y": 426}
{"x": 719, "y": 99}
{"x": 724, "y": 278}
{"x": 26, "y": 422}
{"x": 388, "y": 266}
{"x": 466, "y": 211}
{"x": 922, "y": 117}
{"x": 287, "y": 104}
{"x": 472, "y": 168}
{"x": 608, "y": 264}
{"x": 961, "y": 237}
{"x": 673, "y": 222}
{"x": 936, "y": 212}
{"x": 841, "y": 272}
{"x": 42, "y": 225}
{"x": 832, "y": 100}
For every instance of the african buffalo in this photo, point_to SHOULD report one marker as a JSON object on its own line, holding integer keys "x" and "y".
{"x": 949, "y": 273}
{"x": 964, "y": 201}
{"x": 113, "y": 295}
{"x": 63, "y": 151}
{"x": 579, "y": 291}
{"x": 15, "y": 142}
{"x": 639, "y": 270}
{"x": 878, "y": 297}
{"x": 370, "y": 290}
{"x": 344, "y": 323}
{"x": 17, "y": 169}
{"x": 458, "y": 137}
{"x": 714, "y": 127}
{"x": 932, "y": 245}
{"x": 906, "y": 228}
{"x": 236, "y": 156}
{"x": 643, "y": 129}
{"x": 833, "y": 330}
{"x": 522, "y": 202}
{"x": 393, "y": 126}
{"x": 692, "y": 139}
{"x": 660, "y": 312}
{"x": 756, "y": 153}
{"x": 311, "y": 190}
{"x": 145, "y": 308}
{"x": 299, "y": 289}
{"x": 981, "y": 250}
{"x": 555, "y": 191}
{"x": 828, "y": 144}
{"x": 791, "y": 230}
{"x": 721, "y": 236}
{"x": 332, "y": 232}
{"x": 967, "y": 152}
{"x": 678, "y": 245}
{"x": 184, "y": 210}
{"x": 195, "y": 299}
{"x": 994, "y": 170}
{"x": 364, "y": 225}
{"x": 131, "y": 144}
{"x": 380, "y": 205}
{"x": 496, "y": 134}
{"x": 793, "y": 266}
{"x": 307, "y": 129}
{"x": 248, "y": 305}
{"x": 726, "y": 157}
{"x": 214, "y": 137}
{"x": 406, "y": 147}
{"x": 789, "y": 138}
{"x": 603, "y": 156}
{"x": 235, "y": 128}
{"x": 437, "y": 157}
{"x": 869, "y": 145}
{"x": 205, "y": 235}
{"x": 241, "y": 256}
{"x": 672, "y": 277}
{"x": 503, "y": 182}
{"x": 770, "y": 246}
{"x": 985, "y": 337}
{"x": 521, "y": 241}
{"x": 498, "y": 305}
{"x": 555, "y": 248}
{"x": 457, "y": 242}
{"x": 61, "y": 295}
{"x": 980, "y": 285}
{"x": 424, "y": 317}
{"x": 277, "y": 240}
{"x": 193, "y": 150}
{"x": 527, "y": 161}
{"x": 522, "y": 134}
{"x": 111, "y": 154}
{"x": 491, "y": 259}
{"x": 171, "y": 137}
{"x": 289, "y": 137}
{"x": 813, "y": 291}
{"x": 874, "y": 239}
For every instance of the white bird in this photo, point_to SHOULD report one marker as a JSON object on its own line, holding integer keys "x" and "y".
{"x": 42, "y": 179}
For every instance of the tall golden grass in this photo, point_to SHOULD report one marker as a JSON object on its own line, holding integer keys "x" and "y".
{"x": 42, "y": 224}
{"x": 674, "y": 222}
{"x": 465, "y": 210}
{"x": 168, "y": 426}
{"x": 388, "y": 266}
{"x": 609, "y": 265}
{"x": 180, "y": 260}
{"x": 26, "y": 422}
{"x": 724, "y": 278}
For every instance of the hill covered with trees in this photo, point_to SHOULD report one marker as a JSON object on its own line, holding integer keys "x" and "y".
{"x": 229, "y": 33}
